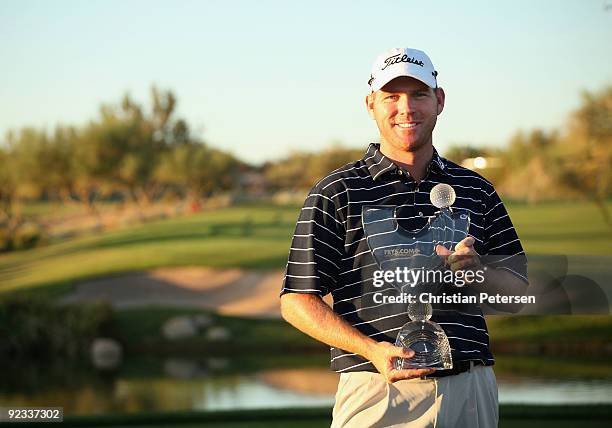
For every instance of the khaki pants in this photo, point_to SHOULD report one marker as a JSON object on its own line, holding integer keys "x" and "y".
{"x": 469, "y": 400}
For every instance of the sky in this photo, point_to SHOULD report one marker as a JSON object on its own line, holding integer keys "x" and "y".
{"x": 262, "y": 79}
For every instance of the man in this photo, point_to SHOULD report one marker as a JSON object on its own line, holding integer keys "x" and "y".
{"x": 329, "y": 253}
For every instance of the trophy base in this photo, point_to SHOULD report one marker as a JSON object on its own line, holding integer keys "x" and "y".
{"x": 429, "y": 343}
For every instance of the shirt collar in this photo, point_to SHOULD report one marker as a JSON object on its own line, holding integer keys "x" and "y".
{"x": 380, "y": 166}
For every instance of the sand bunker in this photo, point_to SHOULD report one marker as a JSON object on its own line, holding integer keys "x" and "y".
{"x": 228, "y": 291}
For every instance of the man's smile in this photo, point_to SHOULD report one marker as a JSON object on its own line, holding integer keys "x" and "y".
{"x": 407, "y": 125}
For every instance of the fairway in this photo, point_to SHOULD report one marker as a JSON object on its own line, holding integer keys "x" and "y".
{"x": 570, "y": 228}
{"x": 252, "y": 237}
{"x": 246, "y": 237}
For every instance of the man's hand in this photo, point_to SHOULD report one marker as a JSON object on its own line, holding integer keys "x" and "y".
{"x": 496, "y": 281}
{"x": 310, "y": 314}
{"x": 383, "y": 355}
{"x": 463, "y": 258}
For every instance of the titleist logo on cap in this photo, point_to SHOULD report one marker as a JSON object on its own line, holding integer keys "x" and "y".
{"x": 398, "y": 62}
{"x": 404, "y": 58}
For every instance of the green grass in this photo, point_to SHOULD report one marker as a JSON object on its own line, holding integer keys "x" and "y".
{"x": 568, "y": 367}
{"x": 562, "y": 228}
{"x": 254, "y": 237}
{"x": 529, "y": 336}
{"x": 559, "y": 336}
{"x": 248, "y": 237}
{"x": 140, "y": 330}
{"x": 535, "y": 329}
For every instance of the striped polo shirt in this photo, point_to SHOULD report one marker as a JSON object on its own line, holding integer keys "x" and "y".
{"x": 329, "y": 252}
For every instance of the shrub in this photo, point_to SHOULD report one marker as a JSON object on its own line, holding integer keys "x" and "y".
{"x": 5, "y": 239}
{"x": 26, "y": 235}
{"x": 38, "y": 328}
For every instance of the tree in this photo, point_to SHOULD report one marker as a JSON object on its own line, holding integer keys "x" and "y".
{"x": 527, "y": 171}
{"x": 289, "y": 173}
{"x": 122, "y": 149}
{"x": 198, "y": 169}
{"x": 330, "y": 159}
{"x": 44, "y": 162}
{"x": 61, "y": 173}
{"x": 458, "y": 153}
{"x": 8, "y": 186}
{"x": 584, "y": 156}
{"x": 301, "y": 170}
{"x": 35, "y": 164}
{"x": 30, "y": 155}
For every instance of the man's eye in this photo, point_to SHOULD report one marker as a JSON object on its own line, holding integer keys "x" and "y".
{"x": 391, "y": 98}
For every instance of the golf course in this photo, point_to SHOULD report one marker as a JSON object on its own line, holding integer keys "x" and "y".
{"x": 254, "y": 237}
{"x": 196, "y": 261}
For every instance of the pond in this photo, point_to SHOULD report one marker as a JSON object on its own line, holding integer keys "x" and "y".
{"x": 159, "y": 385}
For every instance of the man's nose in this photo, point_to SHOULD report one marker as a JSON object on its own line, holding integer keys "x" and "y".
{"x": 404, "y": 104}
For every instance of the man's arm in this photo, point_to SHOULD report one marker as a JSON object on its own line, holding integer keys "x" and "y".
{"x": 311, "y": 315}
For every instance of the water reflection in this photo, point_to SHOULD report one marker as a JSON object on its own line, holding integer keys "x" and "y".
{"x": 157, "y": 385}
{"x": 253, "y": 393}
{"x": 555, "y": 391}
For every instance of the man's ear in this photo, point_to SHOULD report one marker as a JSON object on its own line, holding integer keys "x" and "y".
{"x": 369, "y": 101}
{"x": 440, "y": 98}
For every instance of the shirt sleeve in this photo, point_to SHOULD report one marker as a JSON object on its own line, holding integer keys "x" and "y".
{"x": 502, "y": 246}
{"x": 316, "y": 248}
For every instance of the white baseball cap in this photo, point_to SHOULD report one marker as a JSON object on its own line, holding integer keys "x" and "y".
{"x": 399, "y": 62}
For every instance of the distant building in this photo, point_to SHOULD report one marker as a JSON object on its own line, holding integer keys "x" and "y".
{"x": 480, "y": 162}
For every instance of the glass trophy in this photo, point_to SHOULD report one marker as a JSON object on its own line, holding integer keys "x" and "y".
{"x": 394, "y": 247}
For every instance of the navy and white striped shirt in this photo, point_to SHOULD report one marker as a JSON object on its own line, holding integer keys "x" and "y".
{"x": 329, "y": 252}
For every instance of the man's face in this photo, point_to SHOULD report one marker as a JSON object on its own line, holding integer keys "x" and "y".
{"x": 405, "y": 111}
